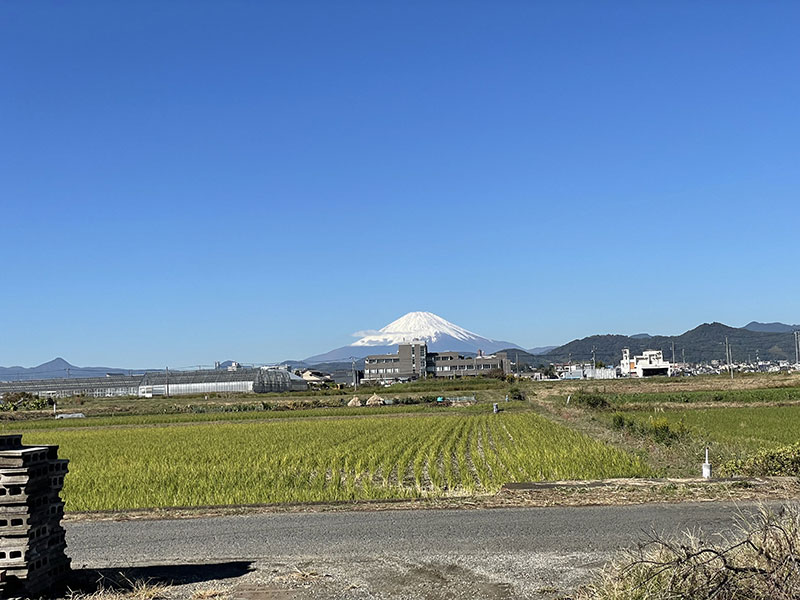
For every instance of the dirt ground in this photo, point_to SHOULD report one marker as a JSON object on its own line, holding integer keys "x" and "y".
{"x": 440, "y": 578}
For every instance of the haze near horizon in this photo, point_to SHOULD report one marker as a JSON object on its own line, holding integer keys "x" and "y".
{"x": 185, "y": 182}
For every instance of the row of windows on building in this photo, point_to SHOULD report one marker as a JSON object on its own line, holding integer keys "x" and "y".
{"x": 486, "y": 366}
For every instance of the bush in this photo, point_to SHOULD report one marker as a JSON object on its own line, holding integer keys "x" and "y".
{"x": 659, "y": 428}
{"x": 516, "y": 394}
{"x": 23, "y": 401}
{"x": 591, "y": 400}
{"x": 778, "y": 462}
{"x": 759, "y": 563}
{"x": 620, "y": 421}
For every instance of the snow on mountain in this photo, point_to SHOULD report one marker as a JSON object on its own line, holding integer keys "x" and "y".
{"x": 440, "y": 335}
{"x": 416, "y": 326}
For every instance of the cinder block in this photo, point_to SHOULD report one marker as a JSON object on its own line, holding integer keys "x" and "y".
{"x": 10, "y": 442}
{"x": 32, "y": 540}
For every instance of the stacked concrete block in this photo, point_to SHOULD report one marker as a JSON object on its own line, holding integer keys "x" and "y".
{"x": 32, "y": 544}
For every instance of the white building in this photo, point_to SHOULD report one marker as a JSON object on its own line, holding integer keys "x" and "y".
{"x": 647, "y": 364}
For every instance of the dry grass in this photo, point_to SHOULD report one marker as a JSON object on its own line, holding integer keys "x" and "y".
{"x": 125, "y": 589}
{"x": 760, "y": 561}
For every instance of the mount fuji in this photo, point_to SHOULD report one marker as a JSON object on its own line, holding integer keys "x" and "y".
{"x": 440, "y": 335}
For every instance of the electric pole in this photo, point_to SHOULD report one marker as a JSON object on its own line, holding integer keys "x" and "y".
{"x": 167, "y": 372}
{"x": 796, "y": 335}
{"x": 729, "y": 356}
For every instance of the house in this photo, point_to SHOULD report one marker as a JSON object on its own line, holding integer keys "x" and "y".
{"x": 646, "y": 364}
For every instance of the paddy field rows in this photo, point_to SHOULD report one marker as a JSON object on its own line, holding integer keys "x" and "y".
{"x": 321, "y": 460}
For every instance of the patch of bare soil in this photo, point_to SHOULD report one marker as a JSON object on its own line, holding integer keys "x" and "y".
{"x": 379, "y": 577}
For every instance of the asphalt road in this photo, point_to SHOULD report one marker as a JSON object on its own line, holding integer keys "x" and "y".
{"x": 525, "y": 549}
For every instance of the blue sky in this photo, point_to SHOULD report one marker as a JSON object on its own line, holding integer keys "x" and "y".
{"x": 184, "y": 182}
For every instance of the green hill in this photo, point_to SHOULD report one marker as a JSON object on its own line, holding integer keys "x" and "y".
{"x": 701, "y": 344}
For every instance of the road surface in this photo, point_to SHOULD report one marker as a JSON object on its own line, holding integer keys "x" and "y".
{"x": 491, "y": 553}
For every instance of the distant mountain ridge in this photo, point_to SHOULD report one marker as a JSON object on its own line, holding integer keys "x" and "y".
{"x": 541, "y": 349}
{"x": 770, "y": 327}
{"x": 704, "y": 343}
{"x": 54, "y": 369}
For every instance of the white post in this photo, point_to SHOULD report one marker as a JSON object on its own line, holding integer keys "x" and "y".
{"x": 706, "y": 467}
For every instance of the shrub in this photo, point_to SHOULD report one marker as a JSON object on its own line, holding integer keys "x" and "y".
{"x": 758, "y": 563}
{"x": 516, "y": 394}
{"x": 591, "y": 400}
{"x": 620, "y": 421}
{"x": 659, "y": 428}
{"x": 23, "y": 401}
{"x": 784, "y": 461}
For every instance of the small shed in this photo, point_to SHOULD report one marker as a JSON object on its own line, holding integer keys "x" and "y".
{"x": 355, "y": 402}
{"x": 375, "y": 400}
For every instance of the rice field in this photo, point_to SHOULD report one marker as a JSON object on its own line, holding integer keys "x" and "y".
{"x": 320, "y": 460}
{"x": 742, "y": 429}
{"x": 775, "y": 395}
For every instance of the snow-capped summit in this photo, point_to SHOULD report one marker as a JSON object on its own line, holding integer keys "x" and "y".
{"x": 440, "y": 334}
{"x": 416, "y": 326}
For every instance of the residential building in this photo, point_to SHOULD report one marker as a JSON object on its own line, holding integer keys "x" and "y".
{"x": 647, "y": 364}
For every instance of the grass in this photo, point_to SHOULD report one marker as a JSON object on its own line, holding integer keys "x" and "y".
{"x": 740, "y": 428}
{"x": 308, "y": 460}
{"x": 719, "y": 396}
{"x": 242, "y": 415}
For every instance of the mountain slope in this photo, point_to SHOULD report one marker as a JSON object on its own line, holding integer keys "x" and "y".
{"x": 701, "y": 344}
{"x": 770, "y": 327}
{"x": 541, "y": 349}
{"x": 440, "y": 335}
{"x": 53, "y": 369}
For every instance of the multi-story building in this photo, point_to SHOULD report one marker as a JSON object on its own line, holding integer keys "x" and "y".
{"x": 413, "y": 361}
{"x": 410, "y": 362}
{"x": 647, "y": 364}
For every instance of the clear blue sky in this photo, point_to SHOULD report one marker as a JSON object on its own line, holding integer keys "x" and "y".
{"x": 184, "y": 182}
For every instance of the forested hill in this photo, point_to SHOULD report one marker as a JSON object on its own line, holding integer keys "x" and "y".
{"x": 701, "y": 344}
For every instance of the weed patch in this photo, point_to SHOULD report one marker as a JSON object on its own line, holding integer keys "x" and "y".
{"x": 784, "y": 461}
{"x": 758, "y": 563}
{"x": 658, "y": 428}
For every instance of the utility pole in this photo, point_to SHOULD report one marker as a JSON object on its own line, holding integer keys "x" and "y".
{"x": 683, "y": 356}
{"x": 167, "y": 371}
{"x": 673, "y": 352}
{"x": 355, "y": 377}
{"x": 594, "y": 361}
{"x": 797, "y": 346}
{"x": 729, "y": 356}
